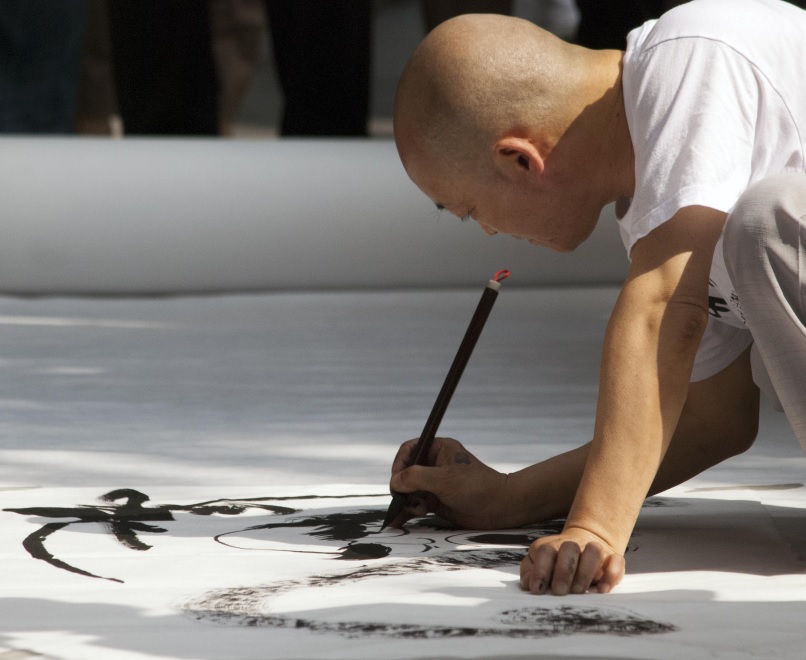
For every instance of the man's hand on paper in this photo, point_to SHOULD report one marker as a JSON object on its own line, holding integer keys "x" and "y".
{"x": 575, "y": 561}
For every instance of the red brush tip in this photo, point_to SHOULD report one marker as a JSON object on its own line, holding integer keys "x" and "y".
{"x": 501, "y": 275}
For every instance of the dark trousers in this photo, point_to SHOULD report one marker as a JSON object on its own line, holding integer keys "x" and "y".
{"x": 322, "y": 53}
{"x": 164, "y": 72}
{"x": 40, "y": 53}
{"x": 606, "y": 24}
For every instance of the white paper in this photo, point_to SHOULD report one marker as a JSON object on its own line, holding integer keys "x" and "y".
{"x": 295, "y": 573}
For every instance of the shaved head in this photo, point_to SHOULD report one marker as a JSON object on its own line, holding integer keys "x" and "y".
{"x": 477, "y": 77}
{"x": 500, "y": 121}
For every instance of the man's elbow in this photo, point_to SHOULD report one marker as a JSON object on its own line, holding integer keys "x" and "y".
{"x": 683, "y": 326}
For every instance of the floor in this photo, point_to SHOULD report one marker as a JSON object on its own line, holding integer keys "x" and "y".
{"x": 260, "y": 420}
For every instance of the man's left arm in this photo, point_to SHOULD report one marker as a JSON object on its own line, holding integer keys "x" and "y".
{"x": 650, "y": 346}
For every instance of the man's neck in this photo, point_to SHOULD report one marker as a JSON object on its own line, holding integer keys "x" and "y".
{"x": 617, "y": 164}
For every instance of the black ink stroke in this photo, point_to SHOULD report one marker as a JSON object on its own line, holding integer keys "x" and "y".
{"x": 125, "y": 515}
{"x": 246, "y": 606}
{"x": 247, "y": 601}
{"x": 566, "y": 620}
{"x": 128, "y": 513}
{"x": 346, "y": 527}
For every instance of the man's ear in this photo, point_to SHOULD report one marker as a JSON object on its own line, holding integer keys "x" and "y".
{"x": 518, "y": 157}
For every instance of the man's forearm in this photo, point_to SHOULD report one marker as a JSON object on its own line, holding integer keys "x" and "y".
{"x": 718, "y": 420}
{"x": 648, "y": 352}
{"x": 544, "y": 490}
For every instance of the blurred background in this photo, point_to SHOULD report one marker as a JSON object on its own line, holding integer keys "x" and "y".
{"x": 243, "y": 68}
{"x": 262, "y": 212}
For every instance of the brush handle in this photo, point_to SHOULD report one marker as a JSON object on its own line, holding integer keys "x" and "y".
{"x": 420, "y": 452}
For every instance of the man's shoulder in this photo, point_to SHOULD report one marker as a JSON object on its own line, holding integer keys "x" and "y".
{"x": 740, "y": 24}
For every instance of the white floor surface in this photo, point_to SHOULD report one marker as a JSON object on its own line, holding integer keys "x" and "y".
{"x": 218, "y": 409}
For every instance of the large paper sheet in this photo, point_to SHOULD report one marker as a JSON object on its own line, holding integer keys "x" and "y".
{"x": 163, "y": 572}
{"x": 167, "y": 471}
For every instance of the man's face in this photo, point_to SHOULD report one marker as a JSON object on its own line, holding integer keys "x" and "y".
{"x": 556, "y": 220}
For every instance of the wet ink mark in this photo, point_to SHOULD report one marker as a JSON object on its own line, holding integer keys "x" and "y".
{"x": 243, "y": 607}
{"x": 125, "y": 515}
{"x": 123, "y": 521}
{"x": 569, "y": 620}
{"x": 340, "y": 526}
{"x": 35, "y": 545}
{"x": 604, "y": 623}
{"x": 350, "y": 527}
{"x": 252, "y": 605}
{"x": 364, "y": 551}
{"x": 663, "y": 502}
{"x": 250, "y": 601}
{"x": 521, "y": 540}
{"x": 249, "y": 607}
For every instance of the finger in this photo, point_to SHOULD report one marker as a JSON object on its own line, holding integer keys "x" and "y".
{"x": 565, "y": 568}
{"x": 401, "y": 519}
{"x": 589, "y": 568}
{"x": 403, "y": 457}
{"x": 543, "y": 561}
{"x": 613, "y": 574}
{"x": 444, "y": 451}
{"x": 417, "y": 505}
{"x": 418, "y": 478}
{"x": 526, "y": 571}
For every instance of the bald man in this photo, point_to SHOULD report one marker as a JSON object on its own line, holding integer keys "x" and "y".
{"x": 696, "y": 132}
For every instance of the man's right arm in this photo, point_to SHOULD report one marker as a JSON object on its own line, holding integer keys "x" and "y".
{"x": 718, "y": 420}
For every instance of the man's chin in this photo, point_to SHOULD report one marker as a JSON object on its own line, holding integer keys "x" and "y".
{"x": 554, "y": 247}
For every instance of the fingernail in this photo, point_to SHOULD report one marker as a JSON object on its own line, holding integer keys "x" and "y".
{"x": 560, "y": 589}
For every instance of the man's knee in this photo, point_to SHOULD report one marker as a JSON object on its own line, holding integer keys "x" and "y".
{"x": 770, "y": 213}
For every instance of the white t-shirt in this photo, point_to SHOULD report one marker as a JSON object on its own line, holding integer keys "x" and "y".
{"x": 715, "y": 97}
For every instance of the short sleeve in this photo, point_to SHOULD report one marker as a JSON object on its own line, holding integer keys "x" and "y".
{"x": 691, "y": 106}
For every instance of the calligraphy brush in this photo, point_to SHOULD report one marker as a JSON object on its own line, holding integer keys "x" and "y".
{"x": 472, "y": 334}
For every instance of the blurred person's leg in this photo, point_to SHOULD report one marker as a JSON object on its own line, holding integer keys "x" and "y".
{"x": 40, "y": 50}
{"x": 238, "y": 29}
{"x": 322, "y": 54}
{"x": 162, "y": 59}
{"x": 96, "y": 105}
